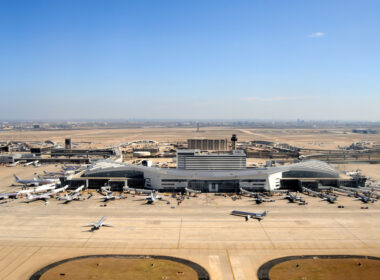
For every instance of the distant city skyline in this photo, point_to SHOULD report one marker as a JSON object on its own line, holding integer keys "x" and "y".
{"x": 243, "y": 60}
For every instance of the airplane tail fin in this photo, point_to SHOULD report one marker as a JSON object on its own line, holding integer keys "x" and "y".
{"x": 265, "y": 213}
{"x": 17, "y": 178}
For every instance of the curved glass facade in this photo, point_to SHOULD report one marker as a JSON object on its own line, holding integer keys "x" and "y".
{"x": 307, "y": 174}
{"x": 116, "y": 173}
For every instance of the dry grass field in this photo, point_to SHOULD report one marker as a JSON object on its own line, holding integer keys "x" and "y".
{"x": 326, "y": 269}
{"x": 120, "y": 269}
{"x": 307, "y": 138}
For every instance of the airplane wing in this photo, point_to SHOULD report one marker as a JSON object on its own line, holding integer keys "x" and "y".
{"x": 107, "y": 225}
{"x": 242, "y": 213}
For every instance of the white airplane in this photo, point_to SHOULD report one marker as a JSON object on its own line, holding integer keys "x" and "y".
{"x": 76, "y": 195}
{"x": 35, "y": 163}
{"x": 244, "y": 191}
{"x": 248, "y": 215}
{"x": 137, "y": 191}
{"x": 108, "y": 196}
{"x": 8, "y": 195}
{"x": 35, "y": 182}
{"x": 43, "y": 197}
{"x": 256, "y": 196}
{"x": 69, "y": 198}
{"x": 79, "y": 189}
{"x": 39, "y": 189}
{"x": 190, "y": 191}
{"x": 58, "y": 173}
{"x": 53, "y": 179}
{"x": 152, "y": 197}
{"x": 72, "y": 167}
{"x": 97, "y": 225}
{"x": 13, "y": 164}
{"x": 353, "y": 173}
{"x": 55, "y": 191}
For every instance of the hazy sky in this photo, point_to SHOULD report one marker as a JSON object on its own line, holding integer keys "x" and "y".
{"x": 257, "y": 59}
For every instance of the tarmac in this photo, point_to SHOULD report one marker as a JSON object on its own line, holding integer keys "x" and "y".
{"x": 200, "y": 229}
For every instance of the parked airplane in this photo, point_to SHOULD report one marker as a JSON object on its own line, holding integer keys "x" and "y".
{"x": 364, "y": 198}
{"x": 153, "y": 197}
{"x": 55, "y": 191}
{"x": 137, "y": 191}
{"x": 69, "y": 198}
{"x": 190, "y": 191}
{"x": 13, "y": 164}
{"x": 260, "y": 199}
{"x": 48, "y": 178}
{"x": 35, "y": 163}
{"x": 371, "y": 194}
{"x": 43, "y": 197}
{"x": 8, "y": 195}
{"x": 110, "y": 196}
{"x": 248, "y": 215}
{"x": 252, "y": 194}
{"x": 97, "y": 225}
{"x": 256, "y": 196}
{"x": 79, "y": 189}
{"x": 39, "y": 189}
{"x": 293, "y": 198}
{"x": 58, "y": 173}
{"x": 76, "y": 195}
{"x": 71, "y": 167}
{"x": 150, "y": 199}
{"x": 328, "y": 198}
{"x": 35, "y": 182}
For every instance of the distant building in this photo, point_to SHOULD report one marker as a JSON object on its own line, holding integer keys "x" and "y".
{"x": 9, "y": 158}
{"x": 196, "y": 160}
{"x": 364, "y": 131}
{"x": 68, "y": 144}
{"x": 207, "y": 144}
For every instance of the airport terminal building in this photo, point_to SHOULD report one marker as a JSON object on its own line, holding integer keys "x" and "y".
{"x": 218, "y": 172}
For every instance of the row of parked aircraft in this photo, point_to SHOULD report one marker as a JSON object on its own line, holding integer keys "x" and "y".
{"x": 36, "y": 181}
{"x": 35, "y": 163}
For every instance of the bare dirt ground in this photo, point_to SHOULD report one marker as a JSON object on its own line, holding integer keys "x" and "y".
{"x": 371, "y": 170}
{"x": 331, "y": 269}
{"x": 307, "y": 138}
{"x": 120, "y": 269}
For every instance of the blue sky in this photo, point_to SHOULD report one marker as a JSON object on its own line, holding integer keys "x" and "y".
{"x": 190, "y": 59}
